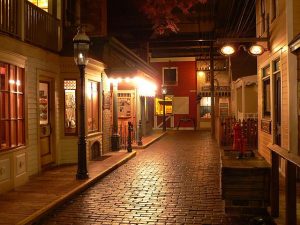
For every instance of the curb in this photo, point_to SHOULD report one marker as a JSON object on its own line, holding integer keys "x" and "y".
{"x": 51, "y": 206}
{"x": 150, "y": 142}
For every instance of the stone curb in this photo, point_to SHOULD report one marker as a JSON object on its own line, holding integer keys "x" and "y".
{"x": 51, "y": 206}
{"x": 150, "y": 142}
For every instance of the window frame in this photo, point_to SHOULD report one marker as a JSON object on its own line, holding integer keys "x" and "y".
{"x": 163, "y": 76}
{"x": 15, "y": 94}
{"x": 266, "y": 80}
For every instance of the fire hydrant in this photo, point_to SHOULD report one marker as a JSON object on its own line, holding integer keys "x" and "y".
{"x": 239, "y": 141}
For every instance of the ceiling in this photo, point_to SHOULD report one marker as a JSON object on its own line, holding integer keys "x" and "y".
{"x": 202, "y": 31}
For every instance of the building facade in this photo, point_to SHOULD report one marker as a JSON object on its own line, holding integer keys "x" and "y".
{"x": 277, "y": 76}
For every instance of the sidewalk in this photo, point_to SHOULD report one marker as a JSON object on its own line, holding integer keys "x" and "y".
{"x": 42, "y": 193}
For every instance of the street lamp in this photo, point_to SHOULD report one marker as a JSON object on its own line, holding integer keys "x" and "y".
{"x": 81, "y": 44}
{"x": 164, "y": 92}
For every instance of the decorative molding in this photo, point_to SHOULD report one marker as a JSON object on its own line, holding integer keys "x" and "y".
{"x": 13, "y": 58}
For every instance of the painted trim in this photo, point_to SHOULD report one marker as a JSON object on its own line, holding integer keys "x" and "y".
{"x": 13, "y": 58}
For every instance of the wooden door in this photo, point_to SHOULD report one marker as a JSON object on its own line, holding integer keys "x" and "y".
{"x": 46, "y": 149}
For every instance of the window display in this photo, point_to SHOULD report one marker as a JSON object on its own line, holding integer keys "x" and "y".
{"x": 12, "y": 122}
{"x": 70, "y": 107}
{"x": 92, "y": 106}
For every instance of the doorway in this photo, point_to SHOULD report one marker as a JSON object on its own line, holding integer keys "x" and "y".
{"x": 45, "y": 121}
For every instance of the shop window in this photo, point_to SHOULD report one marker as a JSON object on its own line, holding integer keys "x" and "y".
{"x": 43, "y": 4}
{"x": 12, "y": 124}
{"x": 170, "y": 76}
{"x": 159, "y": 105}
{"x": 70, "y": 90}
{"x": 266, "y": 91}
{"x": 124, "y": 105}
{"x": 93, "y": 106}
{"x": 205, "y": 107}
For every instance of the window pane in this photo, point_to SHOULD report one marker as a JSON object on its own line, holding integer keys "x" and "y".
{"x": 266, "y": 71}
{"x": 70, "y": 111}
{"x": 92, "y": 106}
{"x": 43, "y": 92}
{"x": 13, "y": 104}
{"x": 12, "y": 78}
{"x": 89, "y": 107}
{"x": 267, "y": 98}
{"x": 20, "y": 103}
{"x": 95, "y": 109}
{"x": 13, "y": 133}
{"x": 20, "y": 81}
{"x": 4, "y": 105}
{"x": 276, "y": 65}
{"x": 170, "y": 76}
{"x": 4, "y": 126}
{"x": 20, "y": 132}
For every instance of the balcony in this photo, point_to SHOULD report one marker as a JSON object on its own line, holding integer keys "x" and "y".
{"x": 27, "y": 22}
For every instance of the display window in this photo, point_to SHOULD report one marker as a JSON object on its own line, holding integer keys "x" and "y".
{"x": 70, "y": 91}
{"x": 93, "y": 106}
{"x": 159, "y": 105}
{"x": 12, "y": 122}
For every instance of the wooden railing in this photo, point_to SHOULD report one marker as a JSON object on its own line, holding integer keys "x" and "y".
{"x": 248, "y": 130}
{"x": 9, "y": 17}
{"x": 24, "y": 20}
{"x": 41, "y": 28}
{"x": 292, "y": 163}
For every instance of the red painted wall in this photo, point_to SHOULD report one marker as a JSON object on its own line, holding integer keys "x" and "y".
{"x": 187, "y": 86}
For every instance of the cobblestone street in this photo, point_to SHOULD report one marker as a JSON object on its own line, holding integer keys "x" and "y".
{"x": 174, "y": 181}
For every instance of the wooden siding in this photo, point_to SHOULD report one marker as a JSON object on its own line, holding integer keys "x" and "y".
{"x": 278, "y": 45}
{"x": 296, "y": 15}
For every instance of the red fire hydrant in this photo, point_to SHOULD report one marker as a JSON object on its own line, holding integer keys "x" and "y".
{"x": 239, "y": 140}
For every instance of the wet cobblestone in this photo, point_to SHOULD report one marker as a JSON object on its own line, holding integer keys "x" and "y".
{"x": 174, "y": 181}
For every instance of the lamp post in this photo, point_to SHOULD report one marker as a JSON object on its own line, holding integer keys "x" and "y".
{"x": 81, "y": 47}
{"x": 164, "y": 92}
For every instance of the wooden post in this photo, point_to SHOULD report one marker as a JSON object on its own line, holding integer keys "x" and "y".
{"x": 274, "y": 185}
{"x": 290, "y": 194}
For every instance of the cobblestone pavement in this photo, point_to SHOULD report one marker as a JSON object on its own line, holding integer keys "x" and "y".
{"x": 174, "y": 181}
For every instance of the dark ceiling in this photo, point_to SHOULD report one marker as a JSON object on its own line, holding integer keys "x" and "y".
{"x": 207, "y": 24}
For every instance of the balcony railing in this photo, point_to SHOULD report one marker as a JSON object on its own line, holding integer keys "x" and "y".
{"x": 9, "y": 17}
{"x": 29, "y": 23}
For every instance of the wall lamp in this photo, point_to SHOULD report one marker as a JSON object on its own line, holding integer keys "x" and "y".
{"x": 254, "y": 49}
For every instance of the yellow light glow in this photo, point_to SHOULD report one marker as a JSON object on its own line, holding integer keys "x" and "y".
{"x": 18, "y": 82}
{"x": 127, "y": 79}
{"x": 256, "y": 50}
{"x": 11, "y": 82}
{"x": 145, "y": 87}
{"x": 200, "y": 73}
{"x": 227, "y": 50}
